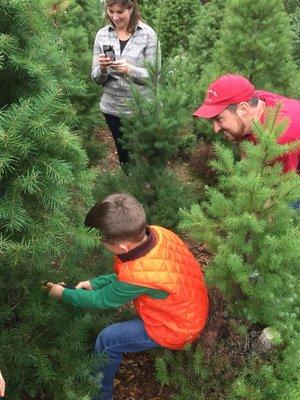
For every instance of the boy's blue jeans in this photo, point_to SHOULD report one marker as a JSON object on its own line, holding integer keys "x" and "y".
{"x": 116, "y": 339}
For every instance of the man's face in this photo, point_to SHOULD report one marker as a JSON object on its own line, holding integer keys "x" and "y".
{"x": 230, "y": 125}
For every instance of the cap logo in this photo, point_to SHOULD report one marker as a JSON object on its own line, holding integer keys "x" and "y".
{"x": 211, "y": 93}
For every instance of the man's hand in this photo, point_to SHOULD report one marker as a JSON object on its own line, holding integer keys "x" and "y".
{"x": 2, "y": 386}
{"x": 84, "y": 285}
{"x": 55, "y": 290}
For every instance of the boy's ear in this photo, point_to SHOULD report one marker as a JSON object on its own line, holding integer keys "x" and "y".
{"x": 124, "y": 246}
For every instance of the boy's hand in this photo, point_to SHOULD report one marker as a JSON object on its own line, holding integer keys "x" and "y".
{"x": 2, "y": 386}
{"x": 55, "y": 290}
{"x": 84, "y": 285}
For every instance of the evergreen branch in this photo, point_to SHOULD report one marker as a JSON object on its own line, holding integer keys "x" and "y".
{"x": 30, "y": 343}
{"x": 16, "y": 112}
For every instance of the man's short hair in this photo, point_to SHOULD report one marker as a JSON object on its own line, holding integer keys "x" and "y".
{"x": 118, "y": 217}
{"x": 252, "y": 103}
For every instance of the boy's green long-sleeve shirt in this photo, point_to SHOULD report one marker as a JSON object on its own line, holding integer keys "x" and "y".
{"x": 108, "y": 292}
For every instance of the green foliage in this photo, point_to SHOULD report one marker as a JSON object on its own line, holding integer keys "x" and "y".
{"x": 205, "y": 34}
{"x": 181, "y": 79}
{"x": 296, "y": 28}
{"x": 191, "y": 65}
{"x": 183, "y": 370}
{"x": 77, "y": 22}
{"x": 248, "y": 224}
{"x": 150, "y": 11}
{"x": 153, "y": 133}
{"x": 45, "y": 190}
{"x": 161, "y": 193}
{"x": 24, "y": 70}
{"x": 291, "y": 5}
{"x": 278, "y": 380}
{"x": 176, "y": 24}
{"x": 249, "y": 227}
{"x": 227, "y": 373}
{"x": 256, "y": 41}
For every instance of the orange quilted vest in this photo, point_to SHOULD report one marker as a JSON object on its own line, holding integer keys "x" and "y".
{"x": 170, "y": 266}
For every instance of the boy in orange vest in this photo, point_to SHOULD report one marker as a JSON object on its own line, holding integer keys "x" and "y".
{"x": 155, "y": 269}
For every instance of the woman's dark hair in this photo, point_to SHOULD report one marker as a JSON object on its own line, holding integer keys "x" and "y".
{"x": 129, "y": 4}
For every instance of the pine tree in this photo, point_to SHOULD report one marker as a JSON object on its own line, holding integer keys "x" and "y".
{"x": 77, "y": 22}
{"x": 186, "y": 68}
{"x": 150, "y": 11}
{"x": 278, "y": 380}
{"x": 176, "y": 24}
{"x": 296, "y": 28}
{"x": 295, "y": 19}
{"x": 155, "y": 133}
{"x": 255, "y": 41}
{"x": 249, "y": 227}
{"x": 291, "y": 5}
{"x": 45, "y": 189}
{"x": 248, "y": 224}
{"x": 160, "y": 191}
{"x": 205, "y": 34}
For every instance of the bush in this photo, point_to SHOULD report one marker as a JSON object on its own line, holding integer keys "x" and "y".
{"x": 45, "y": 190}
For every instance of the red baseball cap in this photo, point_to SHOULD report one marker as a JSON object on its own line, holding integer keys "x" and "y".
{"x": 226, "y": 90}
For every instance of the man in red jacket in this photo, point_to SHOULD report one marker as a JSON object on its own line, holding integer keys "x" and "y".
{"x": 155, "y": 269}
{"x": 232, "y": 103}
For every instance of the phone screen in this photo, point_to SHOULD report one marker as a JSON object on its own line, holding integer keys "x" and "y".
{"x": 109, "y": 52}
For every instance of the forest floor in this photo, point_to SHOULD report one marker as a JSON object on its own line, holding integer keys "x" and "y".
{"x": 135, "y": 379}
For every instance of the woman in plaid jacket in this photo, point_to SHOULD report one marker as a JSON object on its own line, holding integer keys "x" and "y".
{"x": 135, "y": 44}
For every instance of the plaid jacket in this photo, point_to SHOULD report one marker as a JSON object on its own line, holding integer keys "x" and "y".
{"x": 141, "y": 48}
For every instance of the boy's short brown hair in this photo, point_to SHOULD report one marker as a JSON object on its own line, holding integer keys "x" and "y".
{"x": 118, "y": 217}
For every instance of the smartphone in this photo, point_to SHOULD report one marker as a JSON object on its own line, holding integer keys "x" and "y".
{"x": 109, "y": 51}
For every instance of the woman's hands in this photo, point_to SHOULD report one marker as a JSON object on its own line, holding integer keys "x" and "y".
{"x": 104, "y": 63}
{"x": 121, "y": 66}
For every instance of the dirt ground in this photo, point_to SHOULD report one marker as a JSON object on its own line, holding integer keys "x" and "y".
{"x": 136, "y": 380}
